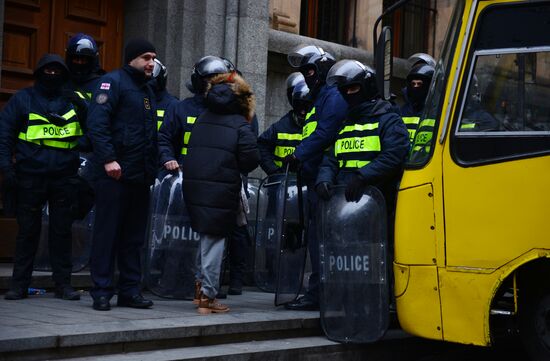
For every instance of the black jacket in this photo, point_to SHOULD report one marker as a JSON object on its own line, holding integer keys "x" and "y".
{"x": 34, "y": 158}
{"x": 385, "y": 170}
{"x": 267, "y": 141}
{"x": 122, "y": 125}
{"x": 221, "y": 147}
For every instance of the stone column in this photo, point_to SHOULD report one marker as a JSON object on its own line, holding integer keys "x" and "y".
{"x": 185, "y": 31}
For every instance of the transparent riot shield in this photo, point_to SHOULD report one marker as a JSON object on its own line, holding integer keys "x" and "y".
{"x": 292, "y": 245}
{"x": 354, "y": 295}
{"x": 81, "y": 235}
{"x": 269, "y": 224}
{"x": 170, "y": 267}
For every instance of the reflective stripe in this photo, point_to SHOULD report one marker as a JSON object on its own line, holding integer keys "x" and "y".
{"x": 412, "y": 132}
{"x": 427, "y": 122}
{"x": 281, "y": 151}
{"x": 423, "y": 137}
{"x": 160, "y": 113}
{"x": 359, "y": 127}
{"x": 34, "y": 116}
{"x": 50, "y": 143}
{"x": 49, "y": 131}
{"x": 411, "y": 120}
{"x": 289, "y": 136}
{"x": 353, "y": 163}
{"x": 184, "y": 150}
{"x": 308, "y": 129}
{"x": 159, "y": 123}
{"x": 80, "y": 95}
{"x": 186, "y": 137}
{"x": 357, "y": 144}
{"x": 311, "y": 112}
{"x": 468, "y": 126}
{"x": 191, "y": 120}
{"x": 278, "y": 163}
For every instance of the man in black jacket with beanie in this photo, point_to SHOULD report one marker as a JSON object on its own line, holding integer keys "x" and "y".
{"x": 123, "y": 134}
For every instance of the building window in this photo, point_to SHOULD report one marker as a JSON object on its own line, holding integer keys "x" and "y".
{"x": 413, "y": 27}
{"x": 326, "y": 20}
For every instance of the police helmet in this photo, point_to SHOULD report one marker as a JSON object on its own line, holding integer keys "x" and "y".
{"x": 160, "y": 74}
{"x": 82, "y": 45}
{"x": 346, "y": 73}
{"x": 301, "y": 101}
{"x": 292, "y": 80}
{"x": 421, "y": 71}
{"x": 421, "y": 58}
{"x": 314, "y": 57}
{"x": 206, "y": 67}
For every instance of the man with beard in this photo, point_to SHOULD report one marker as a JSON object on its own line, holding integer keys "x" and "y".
{"x": 124, "y": 140}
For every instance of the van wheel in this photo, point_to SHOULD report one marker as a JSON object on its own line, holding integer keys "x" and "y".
{"x": 534, "y": 324}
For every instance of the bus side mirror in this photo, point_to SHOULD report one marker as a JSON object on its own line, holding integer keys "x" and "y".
{"x": 384, "y": 62}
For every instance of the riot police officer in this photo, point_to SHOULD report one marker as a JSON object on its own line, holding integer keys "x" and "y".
{"x": 123, "y": 134}
{"x": 320, "y": 130}
{"x": 41, "y": 126}
{"x": 415, "y": 93}
{"x": 372, "y": 144}
{"x": 163, "y": 99}
{"x": 175, "y": 131}
{"x": 82, "y": 57}
{"x": 282, "y": 137}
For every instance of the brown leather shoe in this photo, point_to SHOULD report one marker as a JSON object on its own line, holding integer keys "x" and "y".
{"x": 210, "y": 305}
{"x": 197, "y": 296}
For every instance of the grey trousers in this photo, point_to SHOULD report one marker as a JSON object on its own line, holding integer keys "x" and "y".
{"x": 212, "y": 248}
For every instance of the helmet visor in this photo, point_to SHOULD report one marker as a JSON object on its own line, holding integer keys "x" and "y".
{"x": 158, "y": 69}
{"x": 294, "y": 79}
{"x": 344, "y": 72}
{"x": 210, "y": 65}
{"x": 296, "y": 57}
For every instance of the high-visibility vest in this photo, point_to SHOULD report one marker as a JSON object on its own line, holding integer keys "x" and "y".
{"x": 424, "y": 135}
{"x": 186, "y": 135}
{"x": 41, "y": 131}
{"x": 412, "y": 125}
{"x": 357, "y": 144}
{"x": 310, "y": 124}
{"x": 285, "y": 144}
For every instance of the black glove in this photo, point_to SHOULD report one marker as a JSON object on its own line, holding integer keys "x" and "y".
{"x": 323, "y": 190}
{"x": 293, "y": 162}
{"x": 356, "y": 186}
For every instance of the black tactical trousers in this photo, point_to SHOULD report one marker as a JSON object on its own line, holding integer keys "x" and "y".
{"x": 33, "y": 192}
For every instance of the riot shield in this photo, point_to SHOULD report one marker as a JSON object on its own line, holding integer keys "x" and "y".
{"x": 269, "y": 224}
{"x": 81, "y": 236}
{"x": 171, "y": 259}
{"x": 354, "y": 295}
{"x": 292, "y": 245}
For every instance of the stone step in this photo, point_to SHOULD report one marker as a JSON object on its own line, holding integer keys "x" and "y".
{"x": 80, "y": 280}
{"x": 394, "y": 346}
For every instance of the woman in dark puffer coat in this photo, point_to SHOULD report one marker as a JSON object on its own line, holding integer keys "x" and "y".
{"x": 221, "y": 147}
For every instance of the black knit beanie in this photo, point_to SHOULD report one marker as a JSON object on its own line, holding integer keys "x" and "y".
{"x": 136, "y": 47}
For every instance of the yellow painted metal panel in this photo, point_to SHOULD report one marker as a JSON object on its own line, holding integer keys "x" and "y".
{"x": 415, "y": 227}
{"x": 418, "y": 308}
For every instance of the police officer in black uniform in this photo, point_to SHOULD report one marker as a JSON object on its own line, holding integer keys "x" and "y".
{"x": 415, "y": 93}
{"x": 82, "y": 57}
{"x": 41, "y": 125}
{"x": 163, "y": 99}
{"x": 282, "y": 137}
{"x": 175, "y": 131}
{"x": 122, "y": 128}
{"x": 352, "y": 160}
{"x": 320, "y": 130}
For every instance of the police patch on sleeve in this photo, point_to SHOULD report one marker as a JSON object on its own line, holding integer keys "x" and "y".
{"x": 101, "y": 98}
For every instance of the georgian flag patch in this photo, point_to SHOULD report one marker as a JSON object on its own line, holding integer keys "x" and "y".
{"x": 105, "y": 86}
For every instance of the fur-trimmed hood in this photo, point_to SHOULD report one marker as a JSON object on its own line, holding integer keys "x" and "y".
{"x": 230, "y": 94}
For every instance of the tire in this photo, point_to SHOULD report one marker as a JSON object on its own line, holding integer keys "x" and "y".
{"x": 534, "y": 324}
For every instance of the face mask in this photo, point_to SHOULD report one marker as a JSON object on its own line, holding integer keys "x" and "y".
{"x": 50, "y": 81}
{"x": 353, "y": 99}
{"x": 417, "y": 95}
